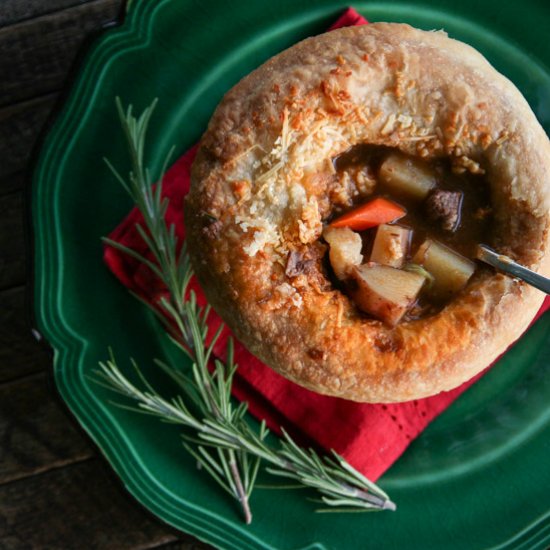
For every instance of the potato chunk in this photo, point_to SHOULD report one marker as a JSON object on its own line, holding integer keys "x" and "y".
{"x": 385, "y": 292}
{"x": 407, "y": 176}
{"x": 451, "y": 270}
{"x": 345, "y": 249}
{"x": 390, "y": 245}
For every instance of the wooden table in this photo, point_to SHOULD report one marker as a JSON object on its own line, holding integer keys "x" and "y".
{"x": 55, "y": 489}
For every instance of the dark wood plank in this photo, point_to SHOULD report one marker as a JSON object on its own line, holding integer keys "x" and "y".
{"x": 14, "y": 11}
{"x": 13, "y": 182}
{"x": 20, "y": 354}
{"x": 20, "y": 125}
{"x": 12, "y": 242}
{"x": 35, "y": 434}
{"x": 80, "y": 506}
{"x": 35, "y": 55}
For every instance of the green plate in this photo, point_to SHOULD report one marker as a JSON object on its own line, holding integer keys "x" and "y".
{"x": 478, "y": 477}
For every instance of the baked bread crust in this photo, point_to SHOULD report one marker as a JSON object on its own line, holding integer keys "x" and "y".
{"x": 262, "y": 185}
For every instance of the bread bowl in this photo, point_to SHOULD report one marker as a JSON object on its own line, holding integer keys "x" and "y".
{"x": 263, "y": 188}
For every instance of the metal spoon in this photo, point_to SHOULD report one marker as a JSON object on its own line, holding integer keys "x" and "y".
{"x": 503, "y": 263}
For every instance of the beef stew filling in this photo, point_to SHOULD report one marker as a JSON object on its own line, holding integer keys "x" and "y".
{"x": 407, "y": 246}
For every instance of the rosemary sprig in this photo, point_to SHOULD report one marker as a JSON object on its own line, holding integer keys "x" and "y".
{"x": 223, "y": 442}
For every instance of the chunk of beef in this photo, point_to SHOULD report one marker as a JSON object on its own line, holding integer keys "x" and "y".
{"x": 444, "y": 207}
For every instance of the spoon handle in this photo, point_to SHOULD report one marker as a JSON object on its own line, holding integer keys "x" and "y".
{"x": 503, "y": 263}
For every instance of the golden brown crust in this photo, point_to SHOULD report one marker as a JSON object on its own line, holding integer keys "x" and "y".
{"x": 262, "y": 185}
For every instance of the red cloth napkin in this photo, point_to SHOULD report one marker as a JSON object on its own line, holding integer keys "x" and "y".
{"x": 370, "y": 437}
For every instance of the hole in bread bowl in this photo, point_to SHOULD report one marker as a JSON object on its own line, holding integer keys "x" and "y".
{"x": 448, "y": 211}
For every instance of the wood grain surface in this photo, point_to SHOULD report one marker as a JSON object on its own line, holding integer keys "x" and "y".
{"x": 14, "y": 11}
{"x": 20, "y": 353}
{"x": 12, "y": 262}
{"x": 36, "y": 54}
{"x": 20, "y": 126}
{"x": 56, "y": 492}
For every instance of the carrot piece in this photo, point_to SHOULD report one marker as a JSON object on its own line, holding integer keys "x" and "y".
{"x": 371, "y": 214}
